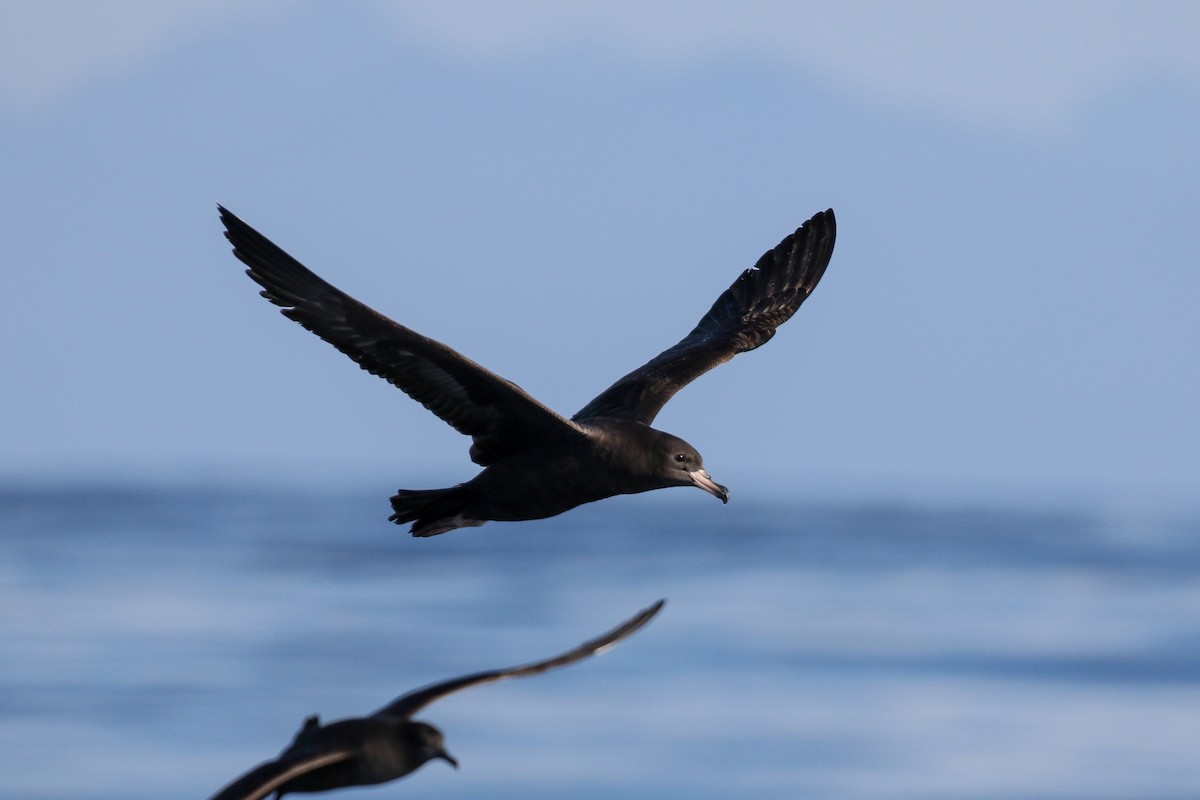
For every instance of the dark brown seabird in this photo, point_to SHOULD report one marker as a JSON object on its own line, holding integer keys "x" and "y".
{"x": 388, "y": 744}
{"x": 536, "y": 462}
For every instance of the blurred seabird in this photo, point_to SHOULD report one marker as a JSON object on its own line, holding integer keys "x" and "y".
{"x": 388, "y": 744}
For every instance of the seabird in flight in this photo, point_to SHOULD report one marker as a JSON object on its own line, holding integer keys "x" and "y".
{"x": 537, "y": 463}
{"x": 388, "y": 744}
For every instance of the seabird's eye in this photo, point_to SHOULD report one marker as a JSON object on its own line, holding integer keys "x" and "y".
{"x": 680, "y": 457}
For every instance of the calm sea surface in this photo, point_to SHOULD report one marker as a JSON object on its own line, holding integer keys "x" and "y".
{"x": 157, "y": 642}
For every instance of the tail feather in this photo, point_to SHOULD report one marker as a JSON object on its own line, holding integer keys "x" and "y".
{"x": 432, "y": 511}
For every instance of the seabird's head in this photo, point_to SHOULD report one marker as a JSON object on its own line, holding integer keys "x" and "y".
{"x": 428, "y": 743}
{"x": 684, "y": 466}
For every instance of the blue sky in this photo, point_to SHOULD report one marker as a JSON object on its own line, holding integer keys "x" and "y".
{"x": 560, "y": 190}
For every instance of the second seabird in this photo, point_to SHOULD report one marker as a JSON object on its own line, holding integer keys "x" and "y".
{"x": 389, "y": 744}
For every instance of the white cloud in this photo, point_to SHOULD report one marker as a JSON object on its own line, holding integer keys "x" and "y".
{"x": 50, "y": 47}
{"x": 1025, "y": 65}
{"x": 1031, "y": 65}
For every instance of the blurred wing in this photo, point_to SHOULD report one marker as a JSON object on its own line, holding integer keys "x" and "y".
{"x": 497, "y": 413}
{"x": 413, "y": 702}
{"x": 743, "y": 318}
{"x": 270, "y": 775}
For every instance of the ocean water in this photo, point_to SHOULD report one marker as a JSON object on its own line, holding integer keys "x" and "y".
{"x": 158, "y": 641}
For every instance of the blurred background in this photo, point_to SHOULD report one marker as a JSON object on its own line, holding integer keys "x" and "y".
{"x": 961, "y": 557}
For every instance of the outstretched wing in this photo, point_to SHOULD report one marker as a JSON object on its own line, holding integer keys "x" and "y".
{"x": 270, "y": 775}
{"x": 413, "y": 702}
{"x": 497, "y": 413}
{"x": 743, "y": 318}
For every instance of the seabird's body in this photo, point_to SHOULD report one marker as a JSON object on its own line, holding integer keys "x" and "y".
{"x": 536, "y": 462}
{"x": 535, "y": 484}
{"x": 389, "y": 744}
{"x": 361, "y": 751}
